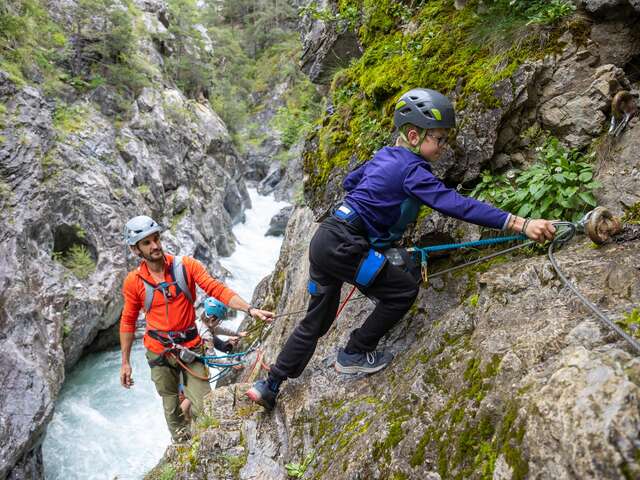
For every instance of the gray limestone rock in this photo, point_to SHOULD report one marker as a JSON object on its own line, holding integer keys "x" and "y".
{"x": 75, "y": 186}
{"x": 327, "y": 45}
{"x": 278, "y": 223}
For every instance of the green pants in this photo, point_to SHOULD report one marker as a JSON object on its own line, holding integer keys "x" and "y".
{"x": 167, "y": 380}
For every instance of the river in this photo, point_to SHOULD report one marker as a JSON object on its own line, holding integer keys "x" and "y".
{"x": 100, "y": 430}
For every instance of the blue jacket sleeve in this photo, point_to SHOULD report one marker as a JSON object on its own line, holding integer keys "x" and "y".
{"x": 351, "y": 181}
{"x": 423, "y": 185}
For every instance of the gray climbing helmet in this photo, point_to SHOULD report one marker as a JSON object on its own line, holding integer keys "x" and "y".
{"x": 424, "y": 108}
{"x": 140, "y": 227}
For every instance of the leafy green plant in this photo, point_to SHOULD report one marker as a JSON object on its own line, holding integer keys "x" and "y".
{"x": 631, "y": 322}
{"x": 66, "y": 330}
{"x": 559, "y": 185}
{"x": 78, "y": 259}
{"x": 346, "y": 18}
{"x": 550, "y": 12}
{"x": 207, "y": 421}
{"x": 297, "y": 470}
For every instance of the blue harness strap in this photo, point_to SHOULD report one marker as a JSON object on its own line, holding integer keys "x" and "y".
{"x": 315, "y": 289}
{"x": 345, "y": 212}
{"x": 369, "y": 268}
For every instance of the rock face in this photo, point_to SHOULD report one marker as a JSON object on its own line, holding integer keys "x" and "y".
{"x": 498, "y": 373}
{"x": 69, "y": 180}
{"x": 327, "y": 45}
{"x": 278, "y": 223}
{"x": 619, "y": 170}
{"x": 610, "y": 7}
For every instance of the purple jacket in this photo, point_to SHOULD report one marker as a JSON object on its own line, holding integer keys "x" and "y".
{"x": 388, "y": 190}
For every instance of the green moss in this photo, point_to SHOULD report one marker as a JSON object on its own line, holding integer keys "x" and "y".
{"x": 473, "y": 300}
{"x": 399, "y": 476}
{"x": 177, "y": 219}
{"x": 444, "y": 52}
{"x": 68, "y": 119}
{"x": 632, "y": 214}
{"x": 466, "y": 443}
{"x": 417, "y": 457}
{"x": 168, "y": 472}
{"x": 235, "y": 463}
{"x": 143, "y": 189}
{"x": 5, "y": 190}
{"x": 393, "y": 438}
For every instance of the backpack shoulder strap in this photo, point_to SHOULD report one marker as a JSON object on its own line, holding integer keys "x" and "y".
{"x": 179, "y": 273}
{"x": 149, "y": 290}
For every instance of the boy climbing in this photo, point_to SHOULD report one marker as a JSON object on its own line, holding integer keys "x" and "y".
{"x": 383, "y": 197}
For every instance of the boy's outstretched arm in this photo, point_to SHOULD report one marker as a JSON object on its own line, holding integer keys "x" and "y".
{"x": 423, "y": 185}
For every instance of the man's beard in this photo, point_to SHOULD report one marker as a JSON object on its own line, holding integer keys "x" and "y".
{"x": 149, "y": 257}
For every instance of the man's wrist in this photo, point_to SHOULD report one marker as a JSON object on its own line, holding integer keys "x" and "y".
{"x": 249, "y": 308}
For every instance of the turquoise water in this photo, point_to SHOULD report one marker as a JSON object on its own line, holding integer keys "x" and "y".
{"x": 103, "y": 431}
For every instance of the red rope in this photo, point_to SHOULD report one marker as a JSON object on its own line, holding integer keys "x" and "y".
{"x": 177, "y": 359}
{"x": 345, "y": 302}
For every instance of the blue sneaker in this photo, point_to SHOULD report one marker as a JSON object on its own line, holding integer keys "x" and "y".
{"x": 262, "y": 394}
{"x": 368, "y": 362}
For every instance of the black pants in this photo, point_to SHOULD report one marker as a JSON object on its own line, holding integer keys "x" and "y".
{"x": 335, "y": 253}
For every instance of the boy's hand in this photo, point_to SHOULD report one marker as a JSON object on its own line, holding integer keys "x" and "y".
{"x": 540, "y": 230}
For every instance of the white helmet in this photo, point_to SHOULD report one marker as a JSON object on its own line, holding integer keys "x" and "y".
{"x": 140, "y": 227}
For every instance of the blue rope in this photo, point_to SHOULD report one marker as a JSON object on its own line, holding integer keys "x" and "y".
{"x": 476, "y": 243}
{"x": 424, "y": 251}
{"x": 229, "y": 355}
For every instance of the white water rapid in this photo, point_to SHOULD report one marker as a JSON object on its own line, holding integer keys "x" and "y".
{"x": 101, "y": 431}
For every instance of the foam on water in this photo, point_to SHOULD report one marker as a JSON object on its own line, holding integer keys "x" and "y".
{"x": 100, "y": 430}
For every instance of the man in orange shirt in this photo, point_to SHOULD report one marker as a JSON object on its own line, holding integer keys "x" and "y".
{"x": 164, "y": 287}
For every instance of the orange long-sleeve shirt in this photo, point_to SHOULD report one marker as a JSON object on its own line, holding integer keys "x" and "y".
{"x": 182, "y": 314}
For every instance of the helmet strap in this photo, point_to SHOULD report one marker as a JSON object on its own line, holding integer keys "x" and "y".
{"x": 416, "y": 149}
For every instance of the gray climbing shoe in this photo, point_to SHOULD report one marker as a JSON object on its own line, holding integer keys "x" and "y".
{"x": 367, "y": 362}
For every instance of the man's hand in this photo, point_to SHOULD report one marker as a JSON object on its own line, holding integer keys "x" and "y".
{"x": 540, "y": 230}
{"x": 265, "y": 315}
{"x": 126, "y": 380}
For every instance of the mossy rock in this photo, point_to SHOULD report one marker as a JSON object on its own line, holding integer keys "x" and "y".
{"x": 431, "y": 45}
